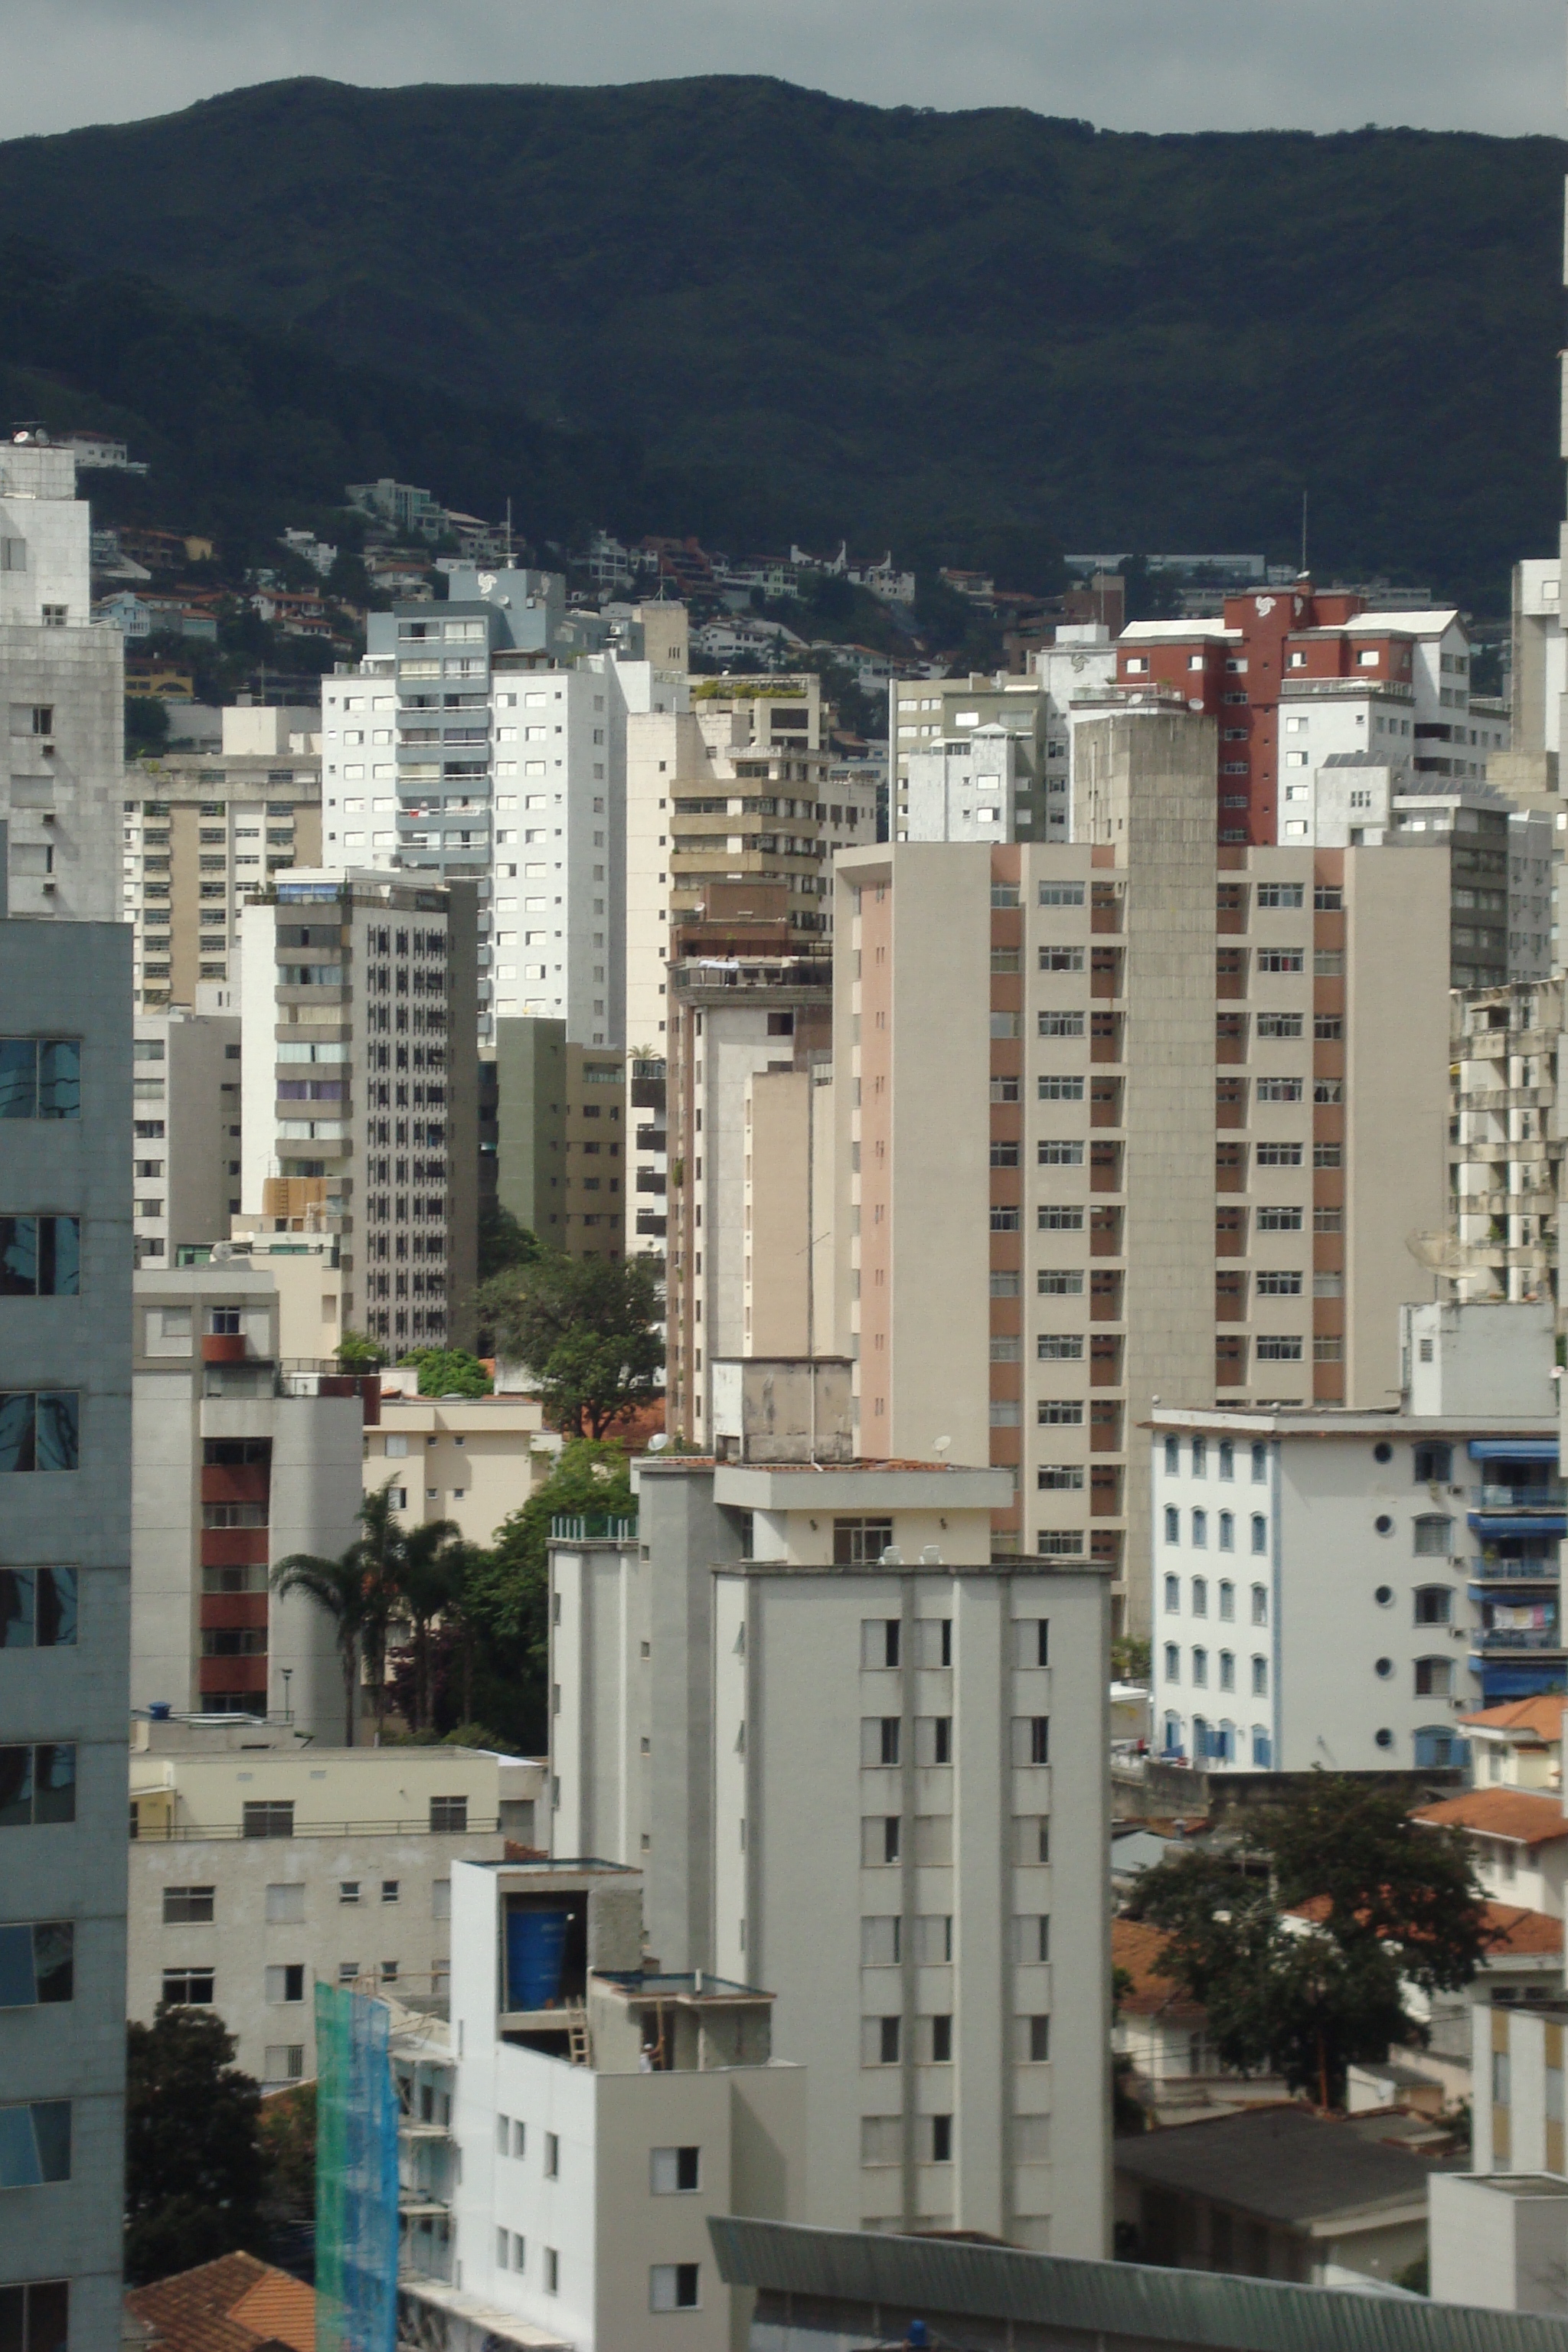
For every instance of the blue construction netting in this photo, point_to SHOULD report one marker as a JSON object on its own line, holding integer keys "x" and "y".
{"x": 356, "y": 2175}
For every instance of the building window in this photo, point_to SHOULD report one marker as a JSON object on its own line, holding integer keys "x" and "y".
{"x": 880, "y": 1641}
{"x": 37, "y": 1965}
{"x": 1433, "y": 1465}
{"x": 1200, "y": 1669}
{"x": 1173, "y": 1457}
{"x": 1172, "y": 1663}
{"x": 1259, "y": 1464}
{"x": 37, "y": 1785}
{"x": 1434, "y": 1605}
{"x": 1227, "y": 1601}
{"x": 285, "y": 1984}
{"x": 1434, "y": 1677}
{"x": 35, "y": 2144}
{"x": 675, "y": 2171}
{"x": 1259, "y": 1677}
{"x": 1173, "y": 1596}
{"x": 448, "y": 1814}
{"x": 553, "y": 2271}
{"x": 269, "y": 1817}
{"x": 856, "y": 1543}
{"x": 188, "y": 1987}
{"x": 38, "y": 1608}
{"x": 1200, "y": 1457}
{"x": 1259, "y": 1534}
{"x": 1227, "y": 1531}
{"x": 1200, "y": 1596}
{"x": 38, "y": 1429}
{"x": 186, "y": 1906}
{"x": 1434, "y": 1536}
{"x": 1200, "y": 1530}
{"x": 41, "y": 1258}
{"x": 672, "y": 2286}
{"x": 1227, "y": 1458}
{"x": 40, "y": 1077}
{"x": 1226, "y": 1671}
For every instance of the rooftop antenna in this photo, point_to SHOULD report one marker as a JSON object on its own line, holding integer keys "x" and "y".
{"x": 508, "y": 534}
{"x": 1304, "y": 534}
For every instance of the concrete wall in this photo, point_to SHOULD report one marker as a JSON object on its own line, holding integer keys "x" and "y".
{"x": 776, "y": 1308}
{"x": 73, "y": 980}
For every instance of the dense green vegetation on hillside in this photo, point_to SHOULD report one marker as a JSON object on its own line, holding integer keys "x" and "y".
{"x": 818, "y": 316}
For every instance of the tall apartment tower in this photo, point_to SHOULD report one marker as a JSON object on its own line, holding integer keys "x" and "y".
{"x": 561, "y": 1137}
{"x": 1120, "y": 1121}
{"x": 186, "y": 1152}
{"x": 484, "y": 739}
{"x": 1273, "y": 674}
{"x": 62, "y": 684}
{"x": 360, "y": 1090}
{"x": 201, "y": 831}
{"x": 236, "y": 1465}
{"x": 859, "y": 1758}
{"x": 65, "y": 1553}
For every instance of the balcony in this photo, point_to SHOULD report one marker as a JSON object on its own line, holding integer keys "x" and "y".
{"x": 1532, "y": 1495}
{"x": 1494, "y": 1641}
{"x": 1525, "y": 1568}
{"x": 225, "y": 1348}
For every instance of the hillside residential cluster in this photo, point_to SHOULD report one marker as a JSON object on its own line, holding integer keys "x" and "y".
{"x": 1098, "y": 1154}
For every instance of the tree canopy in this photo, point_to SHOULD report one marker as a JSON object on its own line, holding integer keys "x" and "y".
{"x": 193, "y": 2164}
{"x": 1304, "y": 1969}
{"x": 587, "y": 1329}
{"x": 450, "y": 1371}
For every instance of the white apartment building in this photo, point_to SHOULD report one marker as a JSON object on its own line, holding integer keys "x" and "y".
{"x": 859, "y": 1759}
{"x": 472, "y": 1460}
{"x": 62, "y": 682}
{"x": 1505, "y": 1151}
{"x": 1337, "y": 1589}
{"x": 484, "y": 739}
{"x": 1125, "y": 1119}
{"x": 230, "y": 1474}
{"x": 65, "y": 1541}
{"x": 359, "y": 1087}
{"x": 261, "y": 1862}
{"x": 185, "y": 1159}
{"x": 927, "y": 714}
{"x": 201, "y": 831}
{"x": 563, "y": 2143}
{"x": 964, "y": 789}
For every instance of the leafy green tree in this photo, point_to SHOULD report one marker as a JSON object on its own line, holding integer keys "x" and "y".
{"x": 587, "y": 1331}
{"x": 194, "y": 2167}
{"x": 1392, "y": 1903}
{"x": 503, "y": 1241}
{"x": 146, "y": 726}
{"x": 357, "y": 1353}
{"x": 450, "y": 1371}
{"x": 428, "y": 1572}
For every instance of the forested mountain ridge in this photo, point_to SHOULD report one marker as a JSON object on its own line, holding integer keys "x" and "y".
{"x": 826, "y": 316}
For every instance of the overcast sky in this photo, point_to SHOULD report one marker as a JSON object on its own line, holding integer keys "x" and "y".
{"x": 1145, "y": 65}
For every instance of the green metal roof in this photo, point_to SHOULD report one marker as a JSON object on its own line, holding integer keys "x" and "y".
{"x": 932, "y": 2279}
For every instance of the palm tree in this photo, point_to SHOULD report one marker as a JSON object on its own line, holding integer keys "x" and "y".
{"x": 379, "y": 1549}
{"x": 340, "y": 1586}
{"x": 428, "y": 1572}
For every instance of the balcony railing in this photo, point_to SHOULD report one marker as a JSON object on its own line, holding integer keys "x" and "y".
{"x": 1533, "y": 1568}
{"x": 1542, "y": 1494}
{"x": 1514, "y": 1637}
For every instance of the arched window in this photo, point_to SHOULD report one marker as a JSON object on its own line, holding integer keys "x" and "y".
{"x": 1261, "y": 1604}
{"x": 1200, "y": 1457}
{"x": 1437, "y": 1744}
{"x": 1262, "y": 1749}
{"x": 1227, "y": 1458}
{"x": 1434, "y": 1536}
{"x": 1433, "y": 1465}
{"x": 1173, "y": 1596}
{"x": 1434, "y": 1605}
{"x": 1200, "y": 1530}
{"x": 1173, "y": 1524}
{"x": 1200, "y": 1669}
{"x": 1172, "y": 1734}
{"x": 1172, "y": 1663}
{"x": 1227, "y": 1670}
{"x": 1227, "y": 1531}
{"x": 1434, "y": 1677}
{"x": 1259, "y": 1534}
{"x": 1227, "y": 1601}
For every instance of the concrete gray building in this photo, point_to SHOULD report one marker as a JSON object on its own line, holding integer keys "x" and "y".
{"x": 61, "y": 693}
{"x": 360, "y": 1101}
{"x": 186, "y": 1157}
{"x": 562, "y": 1150}
{"x": 231, "y": 1473}
{"x": 863, "y": 1764}
{"x": 65, "y": 1550}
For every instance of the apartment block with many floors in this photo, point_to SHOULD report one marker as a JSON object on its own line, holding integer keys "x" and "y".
{"x": 1299, "y": 643}
{"x": 65, "y": 1561}
{"x": 61, "y": 689}
{"x": 485, "y": 738}
{"x": 1505, "y": 1147}
{"x": 361, "y": 1088}
{"x": 1150, "y": 1090}
{"x": 564, "y": 1144}
{"x": 262, "y": 1860}
{"x": 201, "y": 831}
{"x": 236, "y": 1465}
{"x": 857, "y": 1757}
{"x": 186, "y": 1155}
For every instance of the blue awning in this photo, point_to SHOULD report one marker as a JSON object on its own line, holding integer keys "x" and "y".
{"x": 1519, "y": 1682}
{"x": 1512, "y": 1449}
{"x": 1509, "y": 1523}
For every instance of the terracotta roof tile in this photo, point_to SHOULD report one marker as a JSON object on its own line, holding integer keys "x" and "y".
{"x": 1541, "y": 1715}
{"x": 1516, "y": 1814}
{"x": 1509, "y": 1928}
{"x": 232, "y": 2305}
{"x": 1139, "y": 1949}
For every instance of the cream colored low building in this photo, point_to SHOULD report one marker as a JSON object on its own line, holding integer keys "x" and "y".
{"x": 472, "y": 1460}
{"x": 261, "y": 1862}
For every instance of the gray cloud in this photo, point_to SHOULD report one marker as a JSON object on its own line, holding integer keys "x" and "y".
{"x": 1133, "y": 65}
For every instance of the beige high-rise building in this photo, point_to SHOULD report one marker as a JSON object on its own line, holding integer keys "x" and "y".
{"x": 1128, "y": 1120}
{"x": 734, "y": 790}
{"x": 201, "y": 831}
{"x": 1506, "y": 1154}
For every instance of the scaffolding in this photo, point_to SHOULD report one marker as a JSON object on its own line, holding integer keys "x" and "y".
{"x": 356, "y": 2175}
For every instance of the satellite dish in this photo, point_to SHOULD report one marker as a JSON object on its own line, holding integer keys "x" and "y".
{"x": 657, "y": 1444}
{"x": 1441, "y": 1252}
{"x": 943, "y": 1446}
